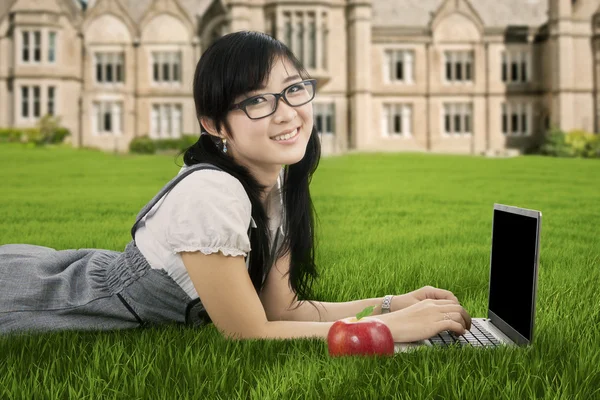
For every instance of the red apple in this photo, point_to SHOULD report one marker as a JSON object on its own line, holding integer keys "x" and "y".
{"x": 364, "y": 336}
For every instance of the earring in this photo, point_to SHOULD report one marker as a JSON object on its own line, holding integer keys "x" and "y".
{"x": 224, "y": 145}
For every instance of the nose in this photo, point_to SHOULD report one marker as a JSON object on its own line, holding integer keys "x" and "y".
{"x": 284, "y": 111}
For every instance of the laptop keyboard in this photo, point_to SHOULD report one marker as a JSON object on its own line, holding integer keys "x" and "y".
{"x": 477, "y": 336}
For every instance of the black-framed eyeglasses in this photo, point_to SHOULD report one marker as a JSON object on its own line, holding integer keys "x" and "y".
{"x": 263, "y": 105}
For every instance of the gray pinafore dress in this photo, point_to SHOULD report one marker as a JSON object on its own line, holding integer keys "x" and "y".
{"x": 43, "y": 289}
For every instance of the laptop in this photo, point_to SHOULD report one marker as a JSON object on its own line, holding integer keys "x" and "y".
{"x": 512, "y": 294}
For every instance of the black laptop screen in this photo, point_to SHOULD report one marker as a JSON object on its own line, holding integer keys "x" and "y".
{"x": 513, "y": 269}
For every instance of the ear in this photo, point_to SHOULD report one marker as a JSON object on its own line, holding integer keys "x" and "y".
{"x": 209, "y": 126}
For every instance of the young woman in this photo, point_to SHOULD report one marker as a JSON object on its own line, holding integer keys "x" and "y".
{"x": 230, "y": 240}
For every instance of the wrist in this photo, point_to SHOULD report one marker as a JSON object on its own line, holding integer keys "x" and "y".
{"x": 386, "y": 304}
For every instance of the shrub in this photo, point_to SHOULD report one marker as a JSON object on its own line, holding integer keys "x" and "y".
{"x": 555, "y": 144}
{"x": 142, "y": 145}
{"x": 48, "y": 132}
{"x": 145, "y": 145}
{"x": 593, "y": 149}
{"x": 578, "y": 140}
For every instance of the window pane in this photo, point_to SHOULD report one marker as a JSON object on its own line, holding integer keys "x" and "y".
{"x": 329, "y": 123}
{"x": 107, "y": 118}
{"x": 397, "y": 123}
{"x": 504, "y": 68}
{"x": 119, "y": 73}
{"x": 515, "y": 122}
{"x": 25, "y": 53}
{"x": 524, "y": 72}
{"x": 109, "y": 72}
{"x": 524, "y": 123}
{"x": 288, "y": 29}
{"x": 36, "y": 101}
{"x": 457, "y": 127}
{"x": 52, "y": 46}
{"x": 176, "y": 72}
{"x": 165, "y": 72}
{"x": 514, "y": 71}
{"x": 467, "y": 123}
{"x": 156, "y": 71}
{"x": 37, "y": 43}
{"x": 468, "y": 71}
{"x": 504, "y": 119}
{"x": 24, "y": 101}
{"x": 51, "y": 100}
{"x": 300, "y": 35}
{"x": 99, "y": 68}
{"x": 319, "y": 123}
{"x": 312, "y": 42}
{"x": 400, "y": 70}
{"x": 325, "y": 40}
{"x": 459, "y": 74}
{"x": 448, "y": 70}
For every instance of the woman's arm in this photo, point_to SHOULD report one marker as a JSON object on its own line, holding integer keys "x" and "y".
{"x": 235, "y": 309}
{"x": 277, "y": 295}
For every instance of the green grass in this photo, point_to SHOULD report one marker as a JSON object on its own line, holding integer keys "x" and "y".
{"x": 388, "y": 224}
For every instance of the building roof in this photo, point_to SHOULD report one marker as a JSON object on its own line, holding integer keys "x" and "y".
{"x": 137, "y": 8}
{"x": 494, "y": 13}
{"x": 404, "y": 12}
{"x": 512, "y": 12}
{"x": 5, "y": 5}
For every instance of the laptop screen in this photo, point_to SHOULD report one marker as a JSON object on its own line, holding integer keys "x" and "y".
{"x": 513, "y": 269}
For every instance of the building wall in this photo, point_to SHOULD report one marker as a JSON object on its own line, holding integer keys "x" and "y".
{"x": 351, "y": 69}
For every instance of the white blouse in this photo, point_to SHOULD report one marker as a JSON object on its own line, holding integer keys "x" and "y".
{"x": 207, "y": 211}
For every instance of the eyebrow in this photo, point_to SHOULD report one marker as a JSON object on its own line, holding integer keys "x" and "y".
{"x": 286, "y": 80}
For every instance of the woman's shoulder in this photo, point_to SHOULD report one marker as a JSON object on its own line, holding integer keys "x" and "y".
{"x": 210, "y": 182}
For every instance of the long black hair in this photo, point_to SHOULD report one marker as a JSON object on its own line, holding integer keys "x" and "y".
{"x": 233, "y": 65}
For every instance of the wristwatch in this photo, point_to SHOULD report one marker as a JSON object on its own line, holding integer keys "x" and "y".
{"x": 387, "y": 304}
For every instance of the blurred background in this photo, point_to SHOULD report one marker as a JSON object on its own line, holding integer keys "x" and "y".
{"x": 451, "y": 76}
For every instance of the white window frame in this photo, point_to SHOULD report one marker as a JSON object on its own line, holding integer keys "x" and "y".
{"x": 520, "y": 55}
{"x": 99, "y": 108}
{"x": 406, "y": 57}
{"x": 523, "y": 111}
{"x": 32, "y": 46}
{"x": 104, "y": 58}
{"x": 462, "y": 57}
{"x": 31, "y": 101}
{"x": 37, "y": 46}
{"x": 388, "y": 118}
{"x": 305, "y": 33}
{"x": 51, "y": 100}
{"x": 172, "y": 57}
{"x": 166, "y": 120}
{"x": 325, "y": 111}
{"x": 464, "y": 110}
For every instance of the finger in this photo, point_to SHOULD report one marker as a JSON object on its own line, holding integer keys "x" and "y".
{"x": 455, "y": 316}
{"x": 451, "y": 325}
{"x": 439, "y": 302}
{"x": 457, "y": 309}
{"x": 444, "y": 294}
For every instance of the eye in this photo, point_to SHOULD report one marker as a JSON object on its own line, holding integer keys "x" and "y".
{"x": 296, "y": 88}
{"x": 255, "y": 101}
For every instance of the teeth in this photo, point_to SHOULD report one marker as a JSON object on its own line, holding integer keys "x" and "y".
{"x": 287, "y": 136}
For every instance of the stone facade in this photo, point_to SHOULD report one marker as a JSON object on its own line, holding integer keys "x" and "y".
{"x": 453, "y": 76}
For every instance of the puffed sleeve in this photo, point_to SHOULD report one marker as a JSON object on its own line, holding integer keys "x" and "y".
{"x": 209, "y": 211}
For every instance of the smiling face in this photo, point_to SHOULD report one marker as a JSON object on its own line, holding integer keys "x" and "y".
{"x": 254, "y": 141}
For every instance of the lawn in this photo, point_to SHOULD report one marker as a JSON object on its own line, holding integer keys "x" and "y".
{"x": 387, "y": 224}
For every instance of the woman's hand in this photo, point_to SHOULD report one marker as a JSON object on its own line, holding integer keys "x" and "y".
{"x": 425, "y": 319}
{"x": 402, "y": 301}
